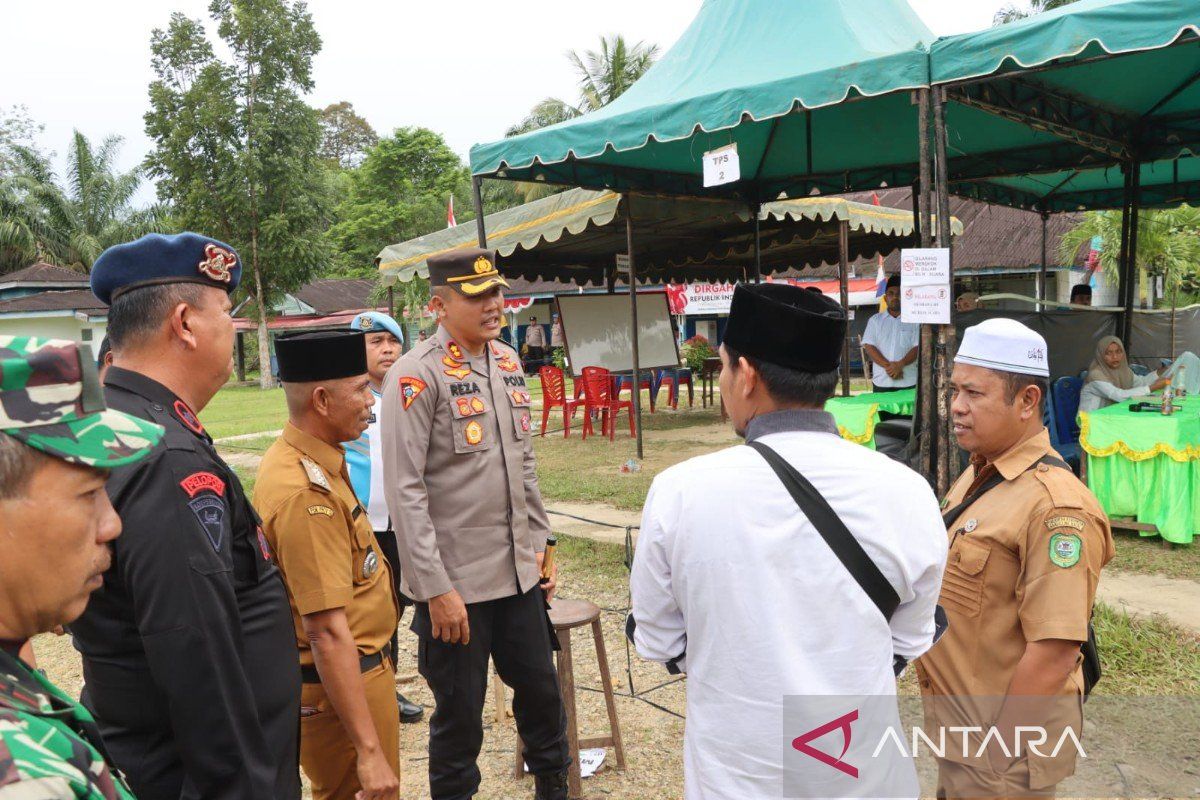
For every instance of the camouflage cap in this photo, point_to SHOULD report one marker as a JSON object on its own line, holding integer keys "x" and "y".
{"x": 50, "y": 399}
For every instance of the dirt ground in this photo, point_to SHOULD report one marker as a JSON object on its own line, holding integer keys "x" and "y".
{"x": 653, "y": 738}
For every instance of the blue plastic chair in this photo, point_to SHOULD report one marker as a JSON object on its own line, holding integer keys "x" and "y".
{"x": 1065, "y": 394}
{"x": 1067, "y": 449}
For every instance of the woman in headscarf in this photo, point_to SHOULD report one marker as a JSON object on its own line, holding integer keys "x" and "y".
{"x": 1110, "y": 380}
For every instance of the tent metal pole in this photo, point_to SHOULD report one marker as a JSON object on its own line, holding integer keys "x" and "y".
{"x": 844, "y": 291}
{"x": 925, "y": 407}
{"x": 1135, "y": 201}
{"x": 1123, "y": 254}
{"x": 947, "y": 458}
{"x": 918, "y": 236}
{"x": 633, "y": 324}
{"x": 755, "y": 209}
{"x": 1042, "y": 288}
{"x": 477, "y": 196}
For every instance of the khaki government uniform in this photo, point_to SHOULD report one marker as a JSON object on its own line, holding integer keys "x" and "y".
{"x": 327, "y": 551}
{"x": 1023, "y": 565}
{"x": 461, "y": 486}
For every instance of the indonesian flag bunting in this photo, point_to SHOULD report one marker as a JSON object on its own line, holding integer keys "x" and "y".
{"x": 450, "y": 221}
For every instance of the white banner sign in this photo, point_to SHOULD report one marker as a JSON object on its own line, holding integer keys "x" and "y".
{"x": 925, "y": 285}
{"x": 722, "y": 165}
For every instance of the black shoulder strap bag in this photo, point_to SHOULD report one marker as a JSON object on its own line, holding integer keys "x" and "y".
{"x": 843, "y": 544}
{"x": 1091, "y": 653}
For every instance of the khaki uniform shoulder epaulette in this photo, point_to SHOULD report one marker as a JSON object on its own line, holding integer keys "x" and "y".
{"x": 316, "y": 475}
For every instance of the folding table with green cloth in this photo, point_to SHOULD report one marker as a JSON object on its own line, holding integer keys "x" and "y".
{"x": 857, "y": 415}
{"x": 1146, "y": 465}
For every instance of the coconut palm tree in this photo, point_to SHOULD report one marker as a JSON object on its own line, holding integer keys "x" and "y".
{"x": 1012, "y": 12}
{"x": 70, "y": 222}
{"x": 1168, "y": 246}
{"x": 604, "y": 75}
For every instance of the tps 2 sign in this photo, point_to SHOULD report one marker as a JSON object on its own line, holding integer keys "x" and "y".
{"x": 722, "y": 166}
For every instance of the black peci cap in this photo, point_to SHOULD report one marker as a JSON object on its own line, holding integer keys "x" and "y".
{"x": 321, "y": 356}
{"x": 787, "y": 326}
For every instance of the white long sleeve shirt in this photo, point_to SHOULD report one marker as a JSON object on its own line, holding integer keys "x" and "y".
{"x": 1098, "y": 394}
{"x": 729, "y": 569}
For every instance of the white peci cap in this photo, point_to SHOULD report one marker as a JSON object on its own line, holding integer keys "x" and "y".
{"x": 1005, "y": 345}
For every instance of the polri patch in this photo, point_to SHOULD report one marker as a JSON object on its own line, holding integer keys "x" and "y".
{"x": 198, "y": 482}
{"x": 1065, "y": 549}
{"x": 1064, "y": 522}
{"x": 410, "y": 388}
{"x": 210, "y": 513}
{"x": 507, "y": 365}
{"x": 325, "y": 510}
{"x": 470, "y": 407}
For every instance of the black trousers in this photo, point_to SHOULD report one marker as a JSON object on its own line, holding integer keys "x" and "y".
{"x": 387, "y": 543}
{"x": 514, "y": 632}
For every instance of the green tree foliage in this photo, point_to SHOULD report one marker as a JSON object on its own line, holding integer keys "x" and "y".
{"x": 236, "y": 147}
{"x": 1012, "y": 12}
{"x": 17, "y": 129}
{"x": 603, "y": 76}
{"x": 400, "y": 192}
{"x": 346, "y": 136}
{"x": 70, "y": 222}
{"x": 1168, "y": 245}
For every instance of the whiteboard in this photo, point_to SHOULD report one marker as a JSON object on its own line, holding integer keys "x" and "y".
{"x": 596, "y": 331}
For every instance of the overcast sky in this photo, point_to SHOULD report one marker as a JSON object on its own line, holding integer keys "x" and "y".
{"x": 465, "y": 68}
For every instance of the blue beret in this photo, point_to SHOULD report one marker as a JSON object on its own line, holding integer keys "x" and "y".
{"x": 375, "y": 322}
{"x": 158, "y": 259}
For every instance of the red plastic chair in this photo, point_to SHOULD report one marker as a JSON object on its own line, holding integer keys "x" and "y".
{"x": 674, "y": 379}
{"x": 623, "y": 382}
{"x": 598, "y": 395}
{"x": 554, "y": 395}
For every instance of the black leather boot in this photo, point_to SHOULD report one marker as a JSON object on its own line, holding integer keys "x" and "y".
{"x": 550, "y": 787}
{"x": 409, "y": 711}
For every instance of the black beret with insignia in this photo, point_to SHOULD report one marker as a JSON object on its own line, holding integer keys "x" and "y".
{"x": 157, "y": 259}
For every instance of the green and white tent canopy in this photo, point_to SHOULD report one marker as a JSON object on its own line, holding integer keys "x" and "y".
{"x": 1041, "y": 112}
{"x": 803, "y": 88}
{"x": 573, "y": 236}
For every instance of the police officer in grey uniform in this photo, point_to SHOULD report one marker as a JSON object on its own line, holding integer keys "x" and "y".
{"x": 461, "y": 487}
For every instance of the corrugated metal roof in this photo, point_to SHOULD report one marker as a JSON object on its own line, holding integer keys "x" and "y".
{"x": 76, "y": 300}
{"x": 43, "y": 273}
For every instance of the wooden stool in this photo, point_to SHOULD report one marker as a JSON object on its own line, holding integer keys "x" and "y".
{"x": 565, "y": 615}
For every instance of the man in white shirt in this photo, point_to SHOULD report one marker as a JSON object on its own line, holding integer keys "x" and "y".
{"x": 892, "y": 345}
{"x": 735, "y": 586}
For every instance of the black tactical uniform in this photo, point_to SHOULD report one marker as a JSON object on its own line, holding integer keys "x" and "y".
{"x": 190, "y": 659}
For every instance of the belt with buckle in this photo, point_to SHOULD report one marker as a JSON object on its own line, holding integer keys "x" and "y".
{"x": 309, "y": 674}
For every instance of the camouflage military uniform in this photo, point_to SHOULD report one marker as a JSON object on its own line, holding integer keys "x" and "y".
{"x": 49, "y": 746}
{"x": 50, "y": 399}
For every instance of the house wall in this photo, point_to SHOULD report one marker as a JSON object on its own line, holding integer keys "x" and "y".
{"x": 64, "y": 327}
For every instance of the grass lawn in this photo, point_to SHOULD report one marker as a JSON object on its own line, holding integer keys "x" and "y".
{"x": 572, "y": 469}
{"x": 1148, "y": 556}
{"x": 238, "y": 410}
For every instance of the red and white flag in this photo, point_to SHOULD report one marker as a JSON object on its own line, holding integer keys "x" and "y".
{"x": 450, "y": 221}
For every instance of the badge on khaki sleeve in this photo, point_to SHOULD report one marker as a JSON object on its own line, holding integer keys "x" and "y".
{"x": 409, "y": 389}
{"x": 473, "y": 433}
{"x": 323, "y": 510}
{"x": 1064, "y": 522}
{"x": 1065, "y": 549}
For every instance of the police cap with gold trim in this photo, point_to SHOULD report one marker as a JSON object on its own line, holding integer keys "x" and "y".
{"x": 472, "y": 271}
